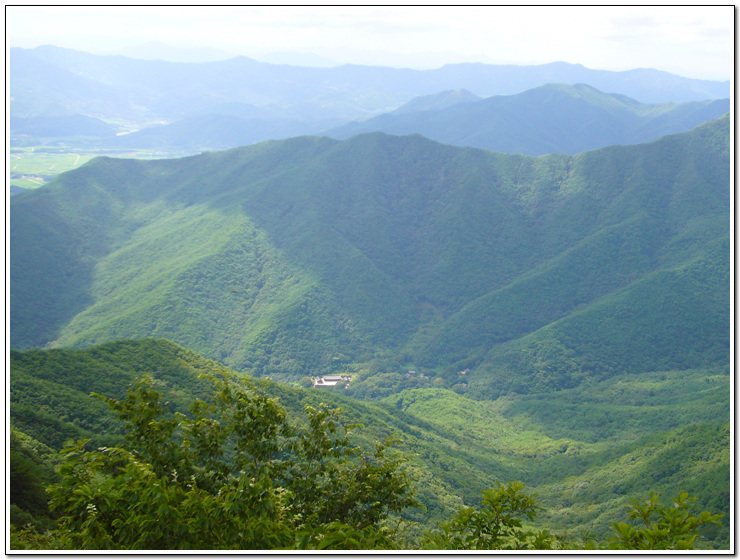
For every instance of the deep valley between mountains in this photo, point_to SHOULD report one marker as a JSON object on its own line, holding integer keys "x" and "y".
{"x": 565, "y": 317}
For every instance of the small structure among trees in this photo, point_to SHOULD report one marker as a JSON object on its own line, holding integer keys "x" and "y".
{"x": 331, "y": 380}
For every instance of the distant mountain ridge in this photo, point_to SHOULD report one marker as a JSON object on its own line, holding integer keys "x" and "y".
{"x": 156, "y": 50}
{"x": 293, "y": 257}
{"x": 64, "y": 127}
{"x": 298, "y": 59}
{"x": 437, "y": 101}
{"x": 553, "y": 118}
{"x": 212, "y": 132}
{"x": 49, "y": 80}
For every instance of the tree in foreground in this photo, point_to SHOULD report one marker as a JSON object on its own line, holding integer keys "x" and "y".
{"x": 236, "y": 474}
{"x": 498, "y": 525}
{"x": 671, "y": 527}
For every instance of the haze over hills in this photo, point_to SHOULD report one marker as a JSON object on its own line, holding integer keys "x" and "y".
{"x": 436, "y": 101}
{"x": 298, "y": 59}
{"x": 295, "y": 257}
{"x": 213, "y": 132}
{"x": 156, "y": 50}
{"x": 229, "y": 125}
{"x": 551, "y": 118}
{"x": 49, "y": 80}
{"x": 31, "y": 130}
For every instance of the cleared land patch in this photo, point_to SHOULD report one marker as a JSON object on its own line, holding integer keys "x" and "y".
{"x": 34, "y": 166}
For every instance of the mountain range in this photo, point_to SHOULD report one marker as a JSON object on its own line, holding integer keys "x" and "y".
{"x": 52, "y": 81}
{"x": 156, "y": 50}
{"x": 551, "y": 118}
{"x": 526, "y": 278}
{"x": 294, "y": 257}
{"x": 211, "y": 132}
{"x": 33, "y": 129}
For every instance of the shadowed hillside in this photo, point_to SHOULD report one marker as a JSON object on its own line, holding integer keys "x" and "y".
{"x": 297, "y": 257}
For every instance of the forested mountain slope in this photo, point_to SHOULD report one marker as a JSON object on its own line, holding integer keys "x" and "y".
{"x": 297, "y": 257}
{"x": 584, "y": 451}
{"x": 553, "y": 118}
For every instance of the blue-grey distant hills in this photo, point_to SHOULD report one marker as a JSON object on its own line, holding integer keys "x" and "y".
{"x": 548, "y": 119}
{"x": 212, "y": 132}
{"x": 156, "y": 50}
{"x": 551, "y": 118}
{"x": 49, "y": 80}
{"x": 436, "y": 101}
{"x": 30, "y": 130}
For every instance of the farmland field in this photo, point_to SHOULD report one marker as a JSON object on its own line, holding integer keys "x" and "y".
{"x": 32, "y": 167}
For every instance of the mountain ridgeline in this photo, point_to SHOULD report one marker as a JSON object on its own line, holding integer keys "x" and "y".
{"x": 530, "y": 123}
{"x": 533, "y": 122}
{"x": 53, "y": 81}
{"x": 302, "y": 256}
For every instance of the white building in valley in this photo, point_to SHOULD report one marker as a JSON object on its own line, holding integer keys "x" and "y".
{"x": 330, "y": 380}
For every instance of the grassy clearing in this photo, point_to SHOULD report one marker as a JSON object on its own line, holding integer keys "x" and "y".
{"x": 34, "y": 166}
{"x": 42, "y": 162}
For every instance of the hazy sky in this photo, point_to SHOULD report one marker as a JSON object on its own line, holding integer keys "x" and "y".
{"x": 693, "y": 41}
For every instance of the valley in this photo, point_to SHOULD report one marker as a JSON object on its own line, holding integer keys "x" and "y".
{"x": 503, "y": 272}
{"x": 583, "y": 451}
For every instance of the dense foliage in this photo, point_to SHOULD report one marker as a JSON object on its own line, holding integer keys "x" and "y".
{"x": 583, "y": 450}
{"x": 308, "y": 255}
{"x": 560, "y": 321}
{"x": 236, "y": 474}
